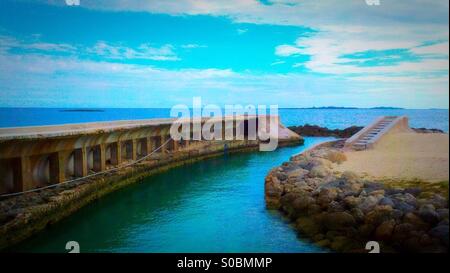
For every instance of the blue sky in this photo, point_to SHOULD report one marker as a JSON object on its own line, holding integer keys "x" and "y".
{"x": 161, "y": 53}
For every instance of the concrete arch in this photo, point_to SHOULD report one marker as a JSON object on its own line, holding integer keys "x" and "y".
{"x": 127, "y": 150}
{"x": 96, "y": 158}
{"x": 70, "y": 167}
{"x": 142, "y": 147}
{"x": 108, "y": 151}
{"x": 41, "y": 170}
{"x": 7, "y": 176}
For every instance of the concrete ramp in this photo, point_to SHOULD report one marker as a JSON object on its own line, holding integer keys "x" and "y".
{"x": 367, "y": 137}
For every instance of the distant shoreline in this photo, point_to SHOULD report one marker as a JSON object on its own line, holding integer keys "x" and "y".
{"x": 81, "y": 110}
{"x": 283, "y": 108}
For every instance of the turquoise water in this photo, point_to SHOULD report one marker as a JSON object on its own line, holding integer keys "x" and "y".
{"x": 331, "y": 118}
{"x": 216, "y": 205}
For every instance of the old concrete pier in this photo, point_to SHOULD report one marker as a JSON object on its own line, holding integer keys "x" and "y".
{"x": 35, "y": 157}
{"x": 49, "y": 172}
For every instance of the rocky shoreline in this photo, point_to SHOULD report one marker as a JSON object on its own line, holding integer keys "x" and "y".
{"x": 317, "y": 131}
{"x": 343, "y": 211}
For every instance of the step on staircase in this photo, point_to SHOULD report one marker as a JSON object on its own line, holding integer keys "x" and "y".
{"x": 372, "y": 133}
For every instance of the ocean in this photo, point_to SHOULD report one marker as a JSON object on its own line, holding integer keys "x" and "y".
{"x": 331, "y": 118}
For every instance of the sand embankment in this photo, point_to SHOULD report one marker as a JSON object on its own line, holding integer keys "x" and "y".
{"x": 403, "y": 155}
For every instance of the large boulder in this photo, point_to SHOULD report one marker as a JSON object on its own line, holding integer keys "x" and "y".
{"x": 335, "y": 156}
{"x": 384, "y": 230}
{"x": 402, "y": 231}
{"x": 438, "y": 201}
{"x": 440, "y": 232}
{"x": 428, "y": 214}
{"x": 282, "y": 176}
{"x": 337, "y": 220}
{"x": 350, "y": 176}
{"x": 386, "y": 201}
{"x": 405, "y": 198}
{"x": 326, "y": 196}
{"x": 352, "y": 201}
{"x": 378, "y": 215}
{"x": 443, "y": 214}
{"x": 368, "y": 203}
{"x": 308, "y": 226}
{"x": 319, "y": 171}
{"x": 302, "y": 202}
{"x": 297, "y": 174}
{"x": 415, "y": 220}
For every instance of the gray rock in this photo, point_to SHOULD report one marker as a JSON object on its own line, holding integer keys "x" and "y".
{"x": 350, "y": 176}
{"x": 413, "y": 191}
{"x": 357, "y": 214}
{"x": 378, "y": 215}
{"x": 397, "y": 214}
{"x": 402, "y": 231}
{"x": 404, "y": 207}
{"x": 439, "y": 202}
{"x": 387, "y": 201}
{"x": 404, "y": 197}
{"x": 351, "y": 201}
{"x": 282, "y": 176}
{"x": 335, "y": 207}
{"x": 393, "y": 191}
{"x": 443, "y": 214}
{"x": 372, "y": 186}
{"x": 338, "y": 220}
{"x": 410, "y": 199}
{"x": 297, "y": 174}
{"x": 385, "y": 230}
{"x": 429, "y": 214}
{"x": 302, "y": 202}
{"x": 319, "y": 171}
{"x": 368, "y": 204}
{"x": 440, "y": 232}
{"x": 326, "y": 196}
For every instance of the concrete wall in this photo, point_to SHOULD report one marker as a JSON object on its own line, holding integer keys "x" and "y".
{"x": 33, "y": 157}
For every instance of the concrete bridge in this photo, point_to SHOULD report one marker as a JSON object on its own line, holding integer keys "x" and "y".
{"x": 34, "y": 157}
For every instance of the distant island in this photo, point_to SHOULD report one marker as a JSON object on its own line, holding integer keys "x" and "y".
{"x": 341, "y": 107}
{"x": 81, "y": 110}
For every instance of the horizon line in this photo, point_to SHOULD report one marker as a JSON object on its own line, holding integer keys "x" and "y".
{"x": 293, "y": 108}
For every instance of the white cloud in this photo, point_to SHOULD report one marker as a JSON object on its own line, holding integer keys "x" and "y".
{"x": 343, "y": 27}
{"x": 191, "y": 46}
{"x": 73, "y": 82}
{"x": 291, "y": 12}
{"x": 143, "y": 51}
{"x": 278, "y": 62}
{"x": 327, "y": 48}
{"x": 287, "y": 50}
{"x": 106, "y": 50}
{"x": 8, "y": 42}
{"x": 241, "y": 31}
{"x": 435, "y": 49}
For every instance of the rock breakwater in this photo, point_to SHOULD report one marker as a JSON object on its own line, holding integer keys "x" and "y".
{"x": 344, "y": 210}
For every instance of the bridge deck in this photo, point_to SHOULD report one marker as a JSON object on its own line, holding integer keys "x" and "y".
{"x": 48, "y": 131}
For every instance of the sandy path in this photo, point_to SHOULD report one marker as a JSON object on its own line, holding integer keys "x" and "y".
{"x": 404, "y": 155}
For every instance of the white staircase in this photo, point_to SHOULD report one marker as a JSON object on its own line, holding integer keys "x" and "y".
{"x": 370, "y": 134}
